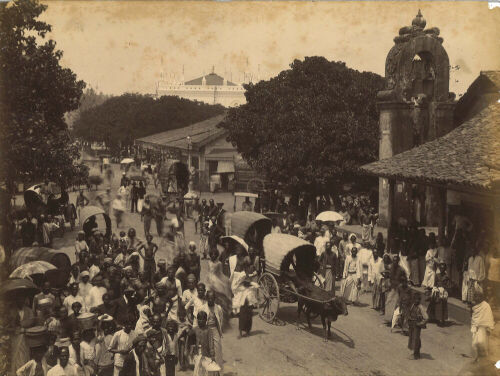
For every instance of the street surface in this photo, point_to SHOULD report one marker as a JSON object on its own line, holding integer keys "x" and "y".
{"x": 361, "y": 344}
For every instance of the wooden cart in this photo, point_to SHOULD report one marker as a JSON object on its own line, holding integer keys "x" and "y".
{"x": 286, "y": 256}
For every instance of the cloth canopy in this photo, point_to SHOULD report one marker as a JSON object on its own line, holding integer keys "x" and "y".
{"x": 225, "y": 167}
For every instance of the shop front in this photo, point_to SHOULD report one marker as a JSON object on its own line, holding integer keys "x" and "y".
{"x": 460, "y": 172}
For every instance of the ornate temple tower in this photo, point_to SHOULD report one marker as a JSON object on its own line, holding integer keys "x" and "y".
{"x": 415, "y": 107}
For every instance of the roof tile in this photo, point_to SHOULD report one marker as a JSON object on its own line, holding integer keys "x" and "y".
{"x": 469, "y": 155}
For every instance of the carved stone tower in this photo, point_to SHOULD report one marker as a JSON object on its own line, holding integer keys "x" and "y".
{"x": 415, "y": 107}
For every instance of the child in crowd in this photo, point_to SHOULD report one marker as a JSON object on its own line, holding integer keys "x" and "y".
{"x": 417, "y": 319}
{"x": 205, "y": 360}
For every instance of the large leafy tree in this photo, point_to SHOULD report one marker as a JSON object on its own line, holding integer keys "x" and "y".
{"x": 90, "y": 99}
{"x": 35, "y": 93}
{"x": 310, "y": 127}
{"x": 120, "y": 120}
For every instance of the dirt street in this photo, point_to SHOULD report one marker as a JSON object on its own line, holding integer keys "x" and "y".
{"x": 361, "y": 344}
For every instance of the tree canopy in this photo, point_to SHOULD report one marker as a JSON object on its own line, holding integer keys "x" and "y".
{"x": 311, "y": 126}
{"x": 35, "y": 92}
{"x": 90, "y": 99}
{"x": 129, "y": 116}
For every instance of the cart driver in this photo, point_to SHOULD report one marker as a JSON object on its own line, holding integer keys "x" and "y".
{"x": 297, "y": 278}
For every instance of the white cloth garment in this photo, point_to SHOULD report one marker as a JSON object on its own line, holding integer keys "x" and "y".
{"x": 83, "y": 291}
{"x": 95, "y": 296}
{"x": 121, "y": 341}
{"x": 58, "y": 370}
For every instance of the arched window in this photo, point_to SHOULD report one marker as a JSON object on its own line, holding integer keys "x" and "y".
{"x": 423, "y": 75}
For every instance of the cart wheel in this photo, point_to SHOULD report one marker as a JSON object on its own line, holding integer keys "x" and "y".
{"x": 317, "y": 281}
{"x": 269, "y": 297}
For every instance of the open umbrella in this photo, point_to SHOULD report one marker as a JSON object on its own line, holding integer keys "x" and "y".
{"x": 18, "y": 286}
{"x": 329, "y": 216}
{"x": 31, "y": 268}
{"x": 237, "y": 239}
{"x": 127, "y": 161}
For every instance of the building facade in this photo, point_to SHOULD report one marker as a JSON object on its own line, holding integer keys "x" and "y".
{"x": 210, "y": 88}
{"x": 202, "y": 146}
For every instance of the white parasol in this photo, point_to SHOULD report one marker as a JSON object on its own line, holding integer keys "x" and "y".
{"x": 127, "y": 161}
{"x": 329, "y": 216}
{"x": 31, "y": 268}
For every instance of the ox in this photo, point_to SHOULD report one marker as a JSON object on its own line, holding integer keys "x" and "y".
{"x": 328, "y": 312}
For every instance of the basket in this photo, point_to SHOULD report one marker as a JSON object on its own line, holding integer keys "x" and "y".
{"x": 87, "y": 321}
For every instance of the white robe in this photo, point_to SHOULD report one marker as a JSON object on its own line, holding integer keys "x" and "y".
{"x": 84, "y": 292}
{"x": 95, "y": 296}
{"x": 482, "y": 323}
{"x": 430, "y": 273}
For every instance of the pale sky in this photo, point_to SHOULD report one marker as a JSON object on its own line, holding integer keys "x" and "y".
{"x": 122, "y": 46}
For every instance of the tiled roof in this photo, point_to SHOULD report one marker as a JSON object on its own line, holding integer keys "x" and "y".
{"x": 481, "y": 93}
{"x": 493, "y": 76}
{"x": 211, "y": 79}
{"x": 200, "y": 134}
{"x": 467, "y": 156}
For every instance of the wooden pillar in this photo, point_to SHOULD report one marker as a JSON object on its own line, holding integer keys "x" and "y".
{"x": 390, "y": 213}
{"x": 442, "y": 212}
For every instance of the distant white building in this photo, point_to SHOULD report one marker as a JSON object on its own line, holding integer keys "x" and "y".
{"x": 210, "y": 88}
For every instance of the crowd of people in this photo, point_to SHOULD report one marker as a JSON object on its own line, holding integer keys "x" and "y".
{"x": 125, "y": 311}
{"x": 388, "y": 272}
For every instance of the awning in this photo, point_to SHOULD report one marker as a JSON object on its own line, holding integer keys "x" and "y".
{"x": 225, "y": 167}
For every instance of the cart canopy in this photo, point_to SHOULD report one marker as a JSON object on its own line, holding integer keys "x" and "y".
{"x": 89, "y": 211}
{"x": 235, "y": 239}
{"x": 281, "y": 249}
{"x": 243, "y": 221}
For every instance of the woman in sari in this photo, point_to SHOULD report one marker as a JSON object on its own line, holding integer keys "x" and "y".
{"x": 219, "y": 283}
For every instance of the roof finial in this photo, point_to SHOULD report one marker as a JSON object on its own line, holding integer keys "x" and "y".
{"x": 419, "y": 21}
{"x": 213, "y": 69}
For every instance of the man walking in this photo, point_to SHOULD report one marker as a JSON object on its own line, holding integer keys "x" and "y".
{"x": 134, "y": 194}
{"x": 81, "y": 202}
